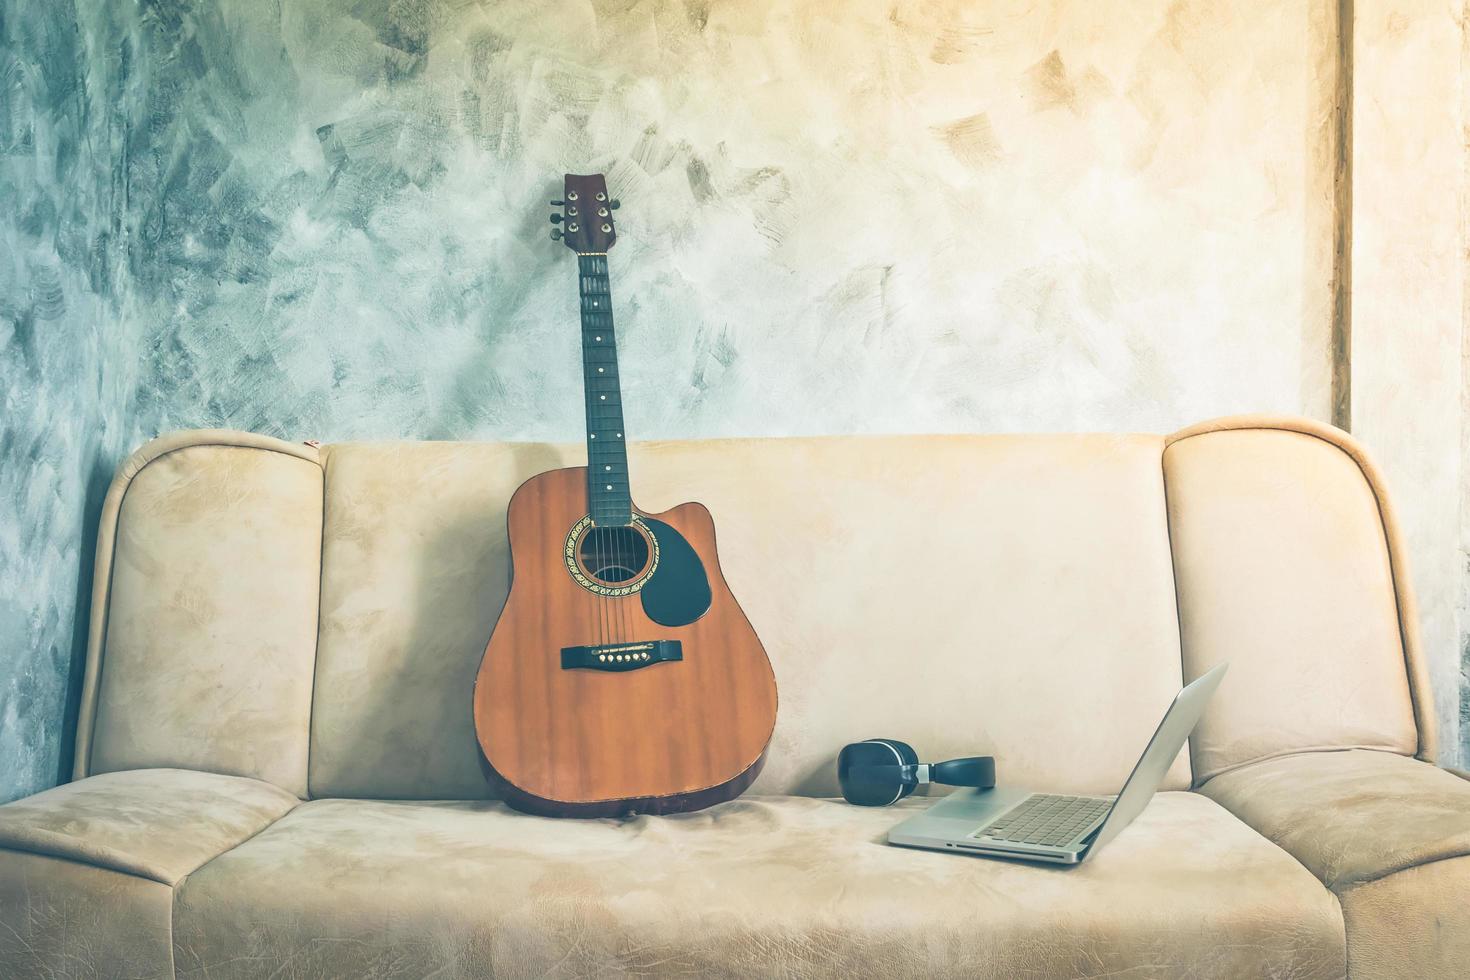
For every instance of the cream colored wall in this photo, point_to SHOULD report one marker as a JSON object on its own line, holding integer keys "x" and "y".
{"x": 837, "y": 217}
{"x": 1408, "y": 310}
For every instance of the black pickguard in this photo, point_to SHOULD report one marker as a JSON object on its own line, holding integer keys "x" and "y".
{"x": 678, "y": 593}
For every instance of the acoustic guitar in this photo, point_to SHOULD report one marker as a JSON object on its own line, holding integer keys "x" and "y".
{"x": 622, "y": 676}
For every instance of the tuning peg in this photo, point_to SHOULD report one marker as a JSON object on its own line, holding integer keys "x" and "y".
{"x": 614, "y": 204}
{"x": 556, "y": 234}
{"x": 557, "y": 204}
{"x": 556, "y": 219}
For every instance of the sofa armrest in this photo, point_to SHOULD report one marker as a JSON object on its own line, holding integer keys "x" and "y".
{"x": 1351, "y": 816}
{"x": 160, "y": 824}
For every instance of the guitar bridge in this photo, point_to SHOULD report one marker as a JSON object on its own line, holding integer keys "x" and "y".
{"x": 621, "y": 656}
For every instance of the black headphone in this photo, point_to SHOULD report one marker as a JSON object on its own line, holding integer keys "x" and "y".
{"x": 881, "y": 771}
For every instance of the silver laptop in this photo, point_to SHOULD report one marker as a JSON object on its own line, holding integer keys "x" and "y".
{"x": 1049, "y": 827}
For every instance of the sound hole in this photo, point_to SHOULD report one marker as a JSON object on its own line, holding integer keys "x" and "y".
{"x": 613, "y": 554}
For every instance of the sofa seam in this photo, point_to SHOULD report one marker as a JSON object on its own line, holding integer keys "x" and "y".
{"x": 1336, "y": 889}
{"x": 1174, "y": 581}
{"x": 83, "y": 767}
{"x": 1305, "y": 750}
{"x": 1371, "y": 879}
{"x": 178, "y": 886}
{"x": 21, "y": 848}
{"x": 316, "y": 651}
{"x": 1402, "y": 582}
{"x": 1336, "y": 898}
{"x": 12, "y": 848}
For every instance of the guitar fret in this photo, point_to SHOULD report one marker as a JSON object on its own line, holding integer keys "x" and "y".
{"x": 607, "y": 462}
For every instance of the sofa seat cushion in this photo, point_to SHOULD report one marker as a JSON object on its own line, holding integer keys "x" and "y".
{"x": 1414, "y": 923}
{"x": 60, "y": 919}
{"x": 1351, "y": 816}
{"x": 152, "y": 823}
{"x": 768, "y": 886}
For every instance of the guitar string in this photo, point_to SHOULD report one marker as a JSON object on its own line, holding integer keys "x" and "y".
{"x": 599, "y": 602}
{"x": 614, "y": 546}
{"x": 599, "y": 266}
{"x": 623, "y": 579}
{"x": 599, "y": 599}
{"x": 588, "y": 545}
{"x": 605, "y": 619}
{"x": 616, "y": 563}
{"x": 609, "y": 629}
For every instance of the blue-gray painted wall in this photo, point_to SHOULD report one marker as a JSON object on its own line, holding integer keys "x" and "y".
{"x": 326, "y": 219}
{"x": 63, "y": 361}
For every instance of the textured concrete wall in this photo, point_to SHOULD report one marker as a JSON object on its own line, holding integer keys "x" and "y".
{"x": 62, "y": 348}
{"x": 838, "y": 217}
{"x": 330, "y": 222}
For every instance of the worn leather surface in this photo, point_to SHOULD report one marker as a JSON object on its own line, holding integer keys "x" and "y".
{"x": 757, "y": 887}
{"x": 1351, "y": 816}
{"x": 949, "y": 590}
{"x": 1414, "y": 923}
{"x": 1005, "y": 594}
{"x": 1283, "y": 570}
{"x": 210, "y": 634}
{"x": 153, "y": 823}
{"x": 64, "y": 920}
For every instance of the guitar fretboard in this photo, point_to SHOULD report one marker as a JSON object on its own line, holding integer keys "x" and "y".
{"x": 609, "y": 501}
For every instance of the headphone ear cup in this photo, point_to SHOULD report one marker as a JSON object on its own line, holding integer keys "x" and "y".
{"x": 870, "y": 773}
{"x": 907, "y": 757}
{"x": 906, "y": 754}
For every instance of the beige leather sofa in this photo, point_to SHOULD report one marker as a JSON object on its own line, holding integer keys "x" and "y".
{"x": 276, "y": 774}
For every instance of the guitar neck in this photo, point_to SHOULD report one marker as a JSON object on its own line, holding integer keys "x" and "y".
{"x": 608, "y": 499}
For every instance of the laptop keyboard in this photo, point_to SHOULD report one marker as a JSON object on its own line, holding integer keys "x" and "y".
{"x": 1047, "y": 819}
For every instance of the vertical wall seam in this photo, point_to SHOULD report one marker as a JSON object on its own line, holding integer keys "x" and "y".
{"x": 1460, "y": 753}
{"x": 1342, "y": 220}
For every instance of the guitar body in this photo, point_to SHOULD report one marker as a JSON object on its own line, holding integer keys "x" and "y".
{"x": 622, "y": 676}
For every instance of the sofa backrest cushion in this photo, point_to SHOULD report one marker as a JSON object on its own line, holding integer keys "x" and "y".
{"x": 316, "y": 619}
{"x": 968, "y": 594}
{"x": 417, "y": 569}
{"x": 1284, "y": 569}
{"x": 210, "y": 622}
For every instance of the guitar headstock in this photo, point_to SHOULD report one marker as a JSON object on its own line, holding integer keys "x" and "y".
{"x": 586, "y": 217}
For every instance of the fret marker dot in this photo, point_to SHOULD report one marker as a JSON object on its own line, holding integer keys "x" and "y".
{"x": 592, "y": 436}
{"x": 603, "y": 397}
{"x": 609, "y": 468}
{"x": 599, "y": 370}
{"x": 620, "y": 435}
{"x": 609, "y": 486}
{"x": 596, "y": 338}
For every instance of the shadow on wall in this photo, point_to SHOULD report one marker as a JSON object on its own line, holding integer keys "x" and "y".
{"x": 98, "y": 477}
